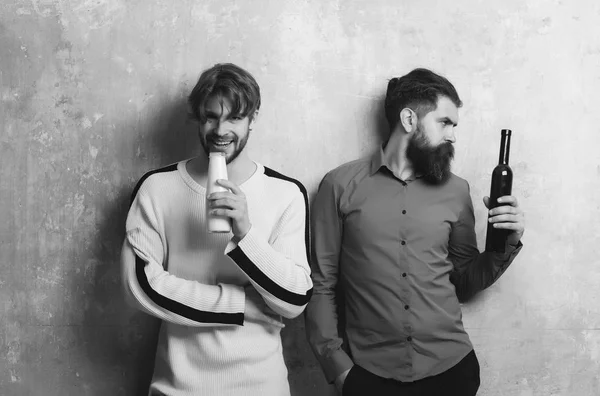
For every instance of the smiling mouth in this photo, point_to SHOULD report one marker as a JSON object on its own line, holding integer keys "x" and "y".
{"x": 221, "y": 144}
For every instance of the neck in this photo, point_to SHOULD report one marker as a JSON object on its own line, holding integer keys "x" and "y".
{"x": 238, "y": 171}
{"x": 394, "y": 154}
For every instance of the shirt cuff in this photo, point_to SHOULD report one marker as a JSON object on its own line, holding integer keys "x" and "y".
{"x": 335, "y": 364}
{"x": 512, "y": 250}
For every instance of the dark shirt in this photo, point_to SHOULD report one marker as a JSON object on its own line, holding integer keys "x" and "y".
{"x": 403, "y": 254}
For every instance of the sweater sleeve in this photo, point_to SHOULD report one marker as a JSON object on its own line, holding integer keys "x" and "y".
{"x": 149, "y": 287}
{"x": 279, "y": 270}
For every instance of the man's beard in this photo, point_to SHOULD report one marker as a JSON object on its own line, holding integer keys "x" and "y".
{"x": 432, "y": 162}
{"x": 238, "y": 145}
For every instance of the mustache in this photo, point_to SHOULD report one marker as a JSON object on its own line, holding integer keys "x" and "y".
{"x": 216, "y": 138}
{"x": 445, "y": 150}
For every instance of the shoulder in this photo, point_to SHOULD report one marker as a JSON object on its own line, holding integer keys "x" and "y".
{"x": 284, "y": 185}
{"x": 153, "y": 181}
{"x": 459, "y": 186}
{"x": 457, "y": 181}
{"x": 344, "y": 174}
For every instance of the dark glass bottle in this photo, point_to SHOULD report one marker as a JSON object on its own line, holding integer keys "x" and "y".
{"x": 502, "y": 177}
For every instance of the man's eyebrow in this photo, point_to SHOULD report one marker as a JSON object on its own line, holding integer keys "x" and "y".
{"x": 210, "y": 113}
{"x": 447, "y": 119}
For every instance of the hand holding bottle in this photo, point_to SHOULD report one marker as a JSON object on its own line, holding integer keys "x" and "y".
{"x": 233, "y": 205}
{"x": 507, "y": 216}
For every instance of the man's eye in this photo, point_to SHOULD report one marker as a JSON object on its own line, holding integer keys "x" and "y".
{"x": 236, "y": 118}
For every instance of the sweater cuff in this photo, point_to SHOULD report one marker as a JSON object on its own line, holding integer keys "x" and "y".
{"x": 238, "y": 297}
{"x": 234, "y": 242}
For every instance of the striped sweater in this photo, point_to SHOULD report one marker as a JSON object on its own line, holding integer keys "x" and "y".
{"x": 195, "y": 281}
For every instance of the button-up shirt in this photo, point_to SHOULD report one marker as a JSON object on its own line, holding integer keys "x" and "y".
{"x": 391, "y": 259}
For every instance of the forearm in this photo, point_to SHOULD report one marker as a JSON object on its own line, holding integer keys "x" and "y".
{"x": 481, "y": 271}
{"x": 180, "y": 301}
{"x": 279, "y": 273}
{"x": 322, "y": 333}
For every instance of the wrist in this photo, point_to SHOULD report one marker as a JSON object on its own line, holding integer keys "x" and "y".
{"x": 339, "y": 381}
{"x": 242, "y": 232}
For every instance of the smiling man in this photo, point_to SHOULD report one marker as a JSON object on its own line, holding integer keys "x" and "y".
{"x": 220, "y": 296}
{"x": 394, "y": 240}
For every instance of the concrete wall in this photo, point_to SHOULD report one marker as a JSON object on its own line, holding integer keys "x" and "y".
{"x": 92, "y": 95}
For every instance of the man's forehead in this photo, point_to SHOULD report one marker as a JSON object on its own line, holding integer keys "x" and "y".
{"x": 446, "y": 108}
{"x": 217, "y": 104}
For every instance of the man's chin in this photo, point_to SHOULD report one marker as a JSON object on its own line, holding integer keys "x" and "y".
{"x": 437, "y": 178}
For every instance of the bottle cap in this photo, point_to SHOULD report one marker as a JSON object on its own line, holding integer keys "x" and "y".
{"x": 216, "y": 153}
{"x": 507, "y": 132}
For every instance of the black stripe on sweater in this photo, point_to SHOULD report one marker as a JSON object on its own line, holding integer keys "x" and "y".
{"x": 271, "y": 173}
{"x": 179, "y": 308}
{"x": 260, "y": 277}
{"x": 169, "y": 168}
{"x": 265, "y": 282}
{"x": 167, "y": 303}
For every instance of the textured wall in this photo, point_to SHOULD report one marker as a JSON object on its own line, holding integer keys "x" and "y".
{"x": 92, "y": 95}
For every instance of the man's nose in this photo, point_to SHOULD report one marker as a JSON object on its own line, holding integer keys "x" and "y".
{"x": 450, "y": 136}
{"x": 220, "y": 129}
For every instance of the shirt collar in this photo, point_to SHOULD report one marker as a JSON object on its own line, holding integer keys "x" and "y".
{"x": 377, "y": 161}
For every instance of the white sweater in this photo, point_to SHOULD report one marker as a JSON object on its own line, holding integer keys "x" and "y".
{"x": 194, "y": 281}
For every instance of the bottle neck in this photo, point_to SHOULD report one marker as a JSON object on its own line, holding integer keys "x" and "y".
{"x": 504, "y": 148}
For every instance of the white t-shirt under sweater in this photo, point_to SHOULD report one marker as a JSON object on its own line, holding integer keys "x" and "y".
{"x": 194, "y": 281}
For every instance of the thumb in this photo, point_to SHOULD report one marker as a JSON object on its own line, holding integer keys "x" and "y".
{"x": 486, "y": 202}
{"x": 273, "y": 322}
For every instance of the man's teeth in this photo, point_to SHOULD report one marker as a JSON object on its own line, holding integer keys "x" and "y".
{"x": 221, "y": 144}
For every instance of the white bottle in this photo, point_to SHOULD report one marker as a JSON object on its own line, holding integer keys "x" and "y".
{"x": 217, "y": 169}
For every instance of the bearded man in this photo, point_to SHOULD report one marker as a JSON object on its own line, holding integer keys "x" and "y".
{"x": 395, "y": 252}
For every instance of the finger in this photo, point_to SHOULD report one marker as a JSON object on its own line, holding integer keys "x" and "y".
{"x": 504, "y": 218}
{"x": 273, "y": 322}
{"x": 230, "y": 185}
{"x": 224, "y": 212}
{"x": 225, "y": 203}
{"x": 504, "y": 209}
{"x": 508, "y": 200}
{"x": 220, "y": 195}
{"x": 509, "y": 226}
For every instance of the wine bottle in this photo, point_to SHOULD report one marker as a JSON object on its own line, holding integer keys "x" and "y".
{"x": 502, "y": 177}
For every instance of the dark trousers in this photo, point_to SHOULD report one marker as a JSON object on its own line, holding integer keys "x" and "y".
{"x": 460, "y": 380}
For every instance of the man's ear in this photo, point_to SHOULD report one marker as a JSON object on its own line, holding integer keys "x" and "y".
{"x": 253, "y": 119}
{"x": 408, "y": 119}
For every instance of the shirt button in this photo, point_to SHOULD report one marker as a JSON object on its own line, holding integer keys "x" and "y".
{"x": 406, "y": 307}
{"x": 403, "y": 242}
{"x": 409, "y": 338}
{"x": 404, "y": 212}
{"x": 404, "y": 274}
